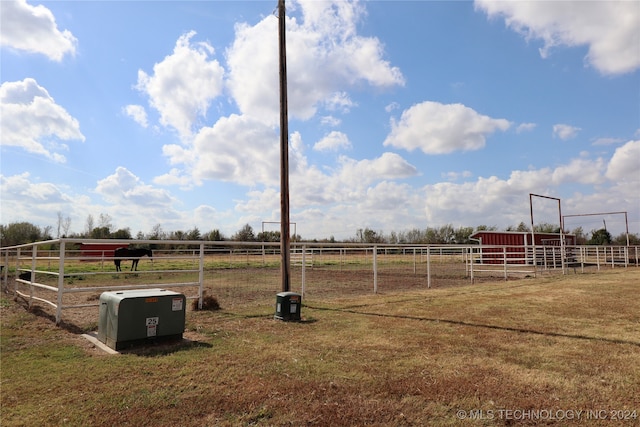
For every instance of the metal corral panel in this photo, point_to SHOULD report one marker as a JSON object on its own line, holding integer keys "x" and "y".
{"x": 136, "y": 316}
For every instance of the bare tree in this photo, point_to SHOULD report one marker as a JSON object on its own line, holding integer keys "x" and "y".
{"x": 157, "y": 233}
{"x": 66, "y": 225}
{"x": 104, "y": 221}
{"x": 63, "y": 225}
{"x": 59, "y": 224}
{"x": 89, "y": 225}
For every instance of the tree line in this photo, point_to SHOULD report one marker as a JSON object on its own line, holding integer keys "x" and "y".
{"x": 102, "y": 228}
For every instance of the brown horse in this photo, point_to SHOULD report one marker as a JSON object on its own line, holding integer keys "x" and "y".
{"x": 133, "y": 254}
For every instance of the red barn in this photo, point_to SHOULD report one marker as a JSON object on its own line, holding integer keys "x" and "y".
{"x": 100, "y": 250}
{"x": 516, "y": 243}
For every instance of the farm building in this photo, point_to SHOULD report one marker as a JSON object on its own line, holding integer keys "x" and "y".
{"x": 517, "y": 246}
{"x": 100, "y": 250}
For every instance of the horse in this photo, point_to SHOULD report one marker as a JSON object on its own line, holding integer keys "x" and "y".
{"x": 133, "y": 254}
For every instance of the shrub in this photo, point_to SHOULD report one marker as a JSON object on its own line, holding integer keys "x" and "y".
{"x": 208, "y": 303}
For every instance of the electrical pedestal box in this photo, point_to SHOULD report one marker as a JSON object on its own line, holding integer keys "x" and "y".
{"x": 288, "y": 305}
{"x": 134, "y": 317}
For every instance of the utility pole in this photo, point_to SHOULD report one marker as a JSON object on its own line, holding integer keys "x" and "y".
{"x": 285, "y": 237}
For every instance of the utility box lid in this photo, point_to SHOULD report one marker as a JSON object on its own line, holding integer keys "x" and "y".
{"x": 135, "y": 316}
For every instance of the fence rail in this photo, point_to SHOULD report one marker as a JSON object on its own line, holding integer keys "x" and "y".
{"x": 59, "y": 274}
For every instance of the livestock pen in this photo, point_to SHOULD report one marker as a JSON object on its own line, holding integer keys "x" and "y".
{"x": 60, "y": 275}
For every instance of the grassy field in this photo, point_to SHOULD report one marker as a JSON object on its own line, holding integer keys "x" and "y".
{"x": 556, "y": 350}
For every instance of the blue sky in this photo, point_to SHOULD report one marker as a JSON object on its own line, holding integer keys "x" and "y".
{"x": 402, "y": 114}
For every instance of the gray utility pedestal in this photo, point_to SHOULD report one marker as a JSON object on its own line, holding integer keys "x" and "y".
{"x": 138, "y": 316}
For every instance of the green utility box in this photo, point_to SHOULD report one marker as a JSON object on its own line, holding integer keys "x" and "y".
{"x": 134, "y": 317}
{"x": 288, "y": 305}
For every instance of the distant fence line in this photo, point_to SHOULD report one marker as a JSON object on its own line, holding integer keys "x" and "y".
{"x": 50, "y": 271}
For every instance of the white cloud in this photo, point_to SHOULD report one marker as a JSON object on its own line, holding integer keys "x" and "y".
{"x": 333, "y": 141}
{"x": 339, "y": 101}
{"x": 330, "y": 121}
{"x": 607, "y": 141}
{"x": 356, "y": 192}
{"x": 125, "y": 198}
{"x": 137, "y": 113}
{"x": 325, "y": 56}
{"x": 183, "y": 84}
{"x": 174, "y": 177}
{"x": 438, "y": 128}
{"x": 348, "y": 181}
{"x": 503, "y": 202}
{"x": 260, "y": 201}
{"x": 565, "y": 132}
{"x": 610, "y": 29}
{"x": 454, "y": 176}
{"x": 23, "y": 190}
{"x": 624, "y": 165}
{"x": 387, "y": 166}
{"x": 391, "y": 107}
{"x": 33, "y": 29}
{"x": 125, "y": 189}
{"x": 31, "y": 119}
{"x": 24, "y": 198}
{"x": 486, "y": 201}
{"x": 525, "y": 127}
{"x": 580, "y": 170}
{"x": 236, "y": 149}
{"x": 359, "y": 193}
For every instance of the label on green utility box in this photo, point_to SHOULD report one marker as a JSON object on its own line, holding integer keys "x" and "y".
{"x": 176, "y": 304}
{"x": 152, "y": 326}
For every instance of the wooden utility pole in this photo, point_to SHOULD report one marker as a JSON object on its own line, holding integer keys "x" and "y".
{"x": 285, "y": 237}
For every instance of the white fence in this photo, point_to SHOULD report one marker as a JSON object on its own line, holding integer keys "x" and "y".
{"x": 58, "y": 274}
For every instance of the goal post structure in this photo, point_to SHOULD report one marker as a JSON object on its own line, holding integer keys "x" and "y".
{"x": 533, "y": 233}
{"x": 626, "y": 221}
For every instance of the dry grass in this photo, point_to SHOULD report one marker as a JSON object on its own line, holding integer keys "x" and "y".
{"x": 560, "y": 343}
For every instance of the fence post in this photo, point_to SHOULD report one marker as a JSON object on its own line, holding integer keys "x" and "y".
{"x": 414, "y": 261}
{"x": 17, "y": 272}
{"x": 60, "y": 282}
{"x": 428, "y": 267}
{"x": 32, "y": 276}
{"x": 201, "y": 276}
{"x": 5, "y": 273}
{"x": 471, "y": 263}
{"x": 504, "y": 259}
{"x": 304, "y": 265}
{"x": 613, "y": 260}
{"x": 375, "y": 269}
